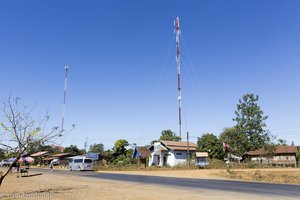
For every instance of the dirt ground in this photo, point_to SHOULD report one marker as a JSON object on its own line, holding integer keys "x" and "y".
{"x": 65, "y": 187}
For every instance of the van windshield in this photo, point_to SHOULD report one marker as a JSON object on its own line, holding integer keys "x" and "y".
{"x": 78, "y": 160}
{"x": 87, "y": 161}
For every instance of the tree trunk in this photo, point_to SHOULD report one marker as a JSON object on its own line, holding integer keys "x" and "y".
{"x": 10, "y": 167}
{"x": 4, "y": 174}
{"x": 1, "y": 179}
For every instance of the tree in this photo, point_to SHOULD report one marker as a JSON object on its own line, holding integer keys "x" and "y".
{"x": 292, "y": 144}
{"x": 269, "y": 150}
{"x": 250, "y": 122}
{"x": 41, "y": 147}
{"x": 97, "y": 148}
{"x": 169, "y": 135}
{"x": 2, "y": 154}
{"x": 129, "y": 153}
{"x": 235, "y": 140}
{"x": 210, "y": 143}
{"x": 21, "y": 132}
{"x": 298, "y": 155}
{"x": 281, "y": 142}
{"x": 74, "y": 150}
{"x": 120, "y": 146}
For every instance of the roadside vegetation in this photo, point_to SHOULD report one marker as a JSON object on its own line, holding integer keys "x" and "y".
{"x": 272, "y": 175}
{"x": 249, "y": 133}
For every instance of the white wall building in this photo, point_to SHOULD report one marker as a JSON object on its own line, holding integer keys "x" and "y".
{"x": 170, "y": 153}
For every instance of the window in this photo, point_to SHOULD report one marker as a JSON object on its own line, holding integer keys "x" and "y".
{"x": 178, "y": 154}
{"x": 87, "y": 161}
{"x": 78, "y": 160}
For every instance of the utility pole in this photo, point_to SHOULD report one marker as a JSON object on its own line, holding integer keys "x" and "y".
{"x": 178, "y": 32}
{"x": 188, "y": 147}
{"x": 64, "y": 100}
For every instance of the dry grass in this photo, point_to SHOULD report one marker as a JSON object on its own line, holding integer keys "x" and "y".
{"x": 274, "y": 175}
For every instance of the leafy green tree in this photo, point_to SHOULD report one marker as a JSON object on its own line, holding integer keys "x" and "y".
{"x": 281, "y": 142}
{"x": 2, "y": 154}
{"x": 210, "y": 143}
{"x": 237, "y": 141}
{"x": 269, "y": 150}
{"x": 292, "y": 144}
{"x": 97, "y": 148}
{"x": 120, "y": 146}
{"x": 74, "y": 150}
{"x": 108, "y": 153}
{"x": 129, "y": 153}
{"x": 250, "y": 121}
{"x": 169, "y": 135}
{"x": 298, "y": 155}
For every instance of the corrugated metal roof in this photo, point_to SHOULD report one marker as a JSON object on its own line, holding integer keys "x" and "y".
{"x": 143, "y": 151}
{"x": 63, "y": 154}
{"x": 201, "y": 154}
{"x": 179, "y": 145}
{"x": 162, "y": 148}
{"x": 50, "y": 158}
{"x": 279, "y": 150}
{"x": 41, "y": 153}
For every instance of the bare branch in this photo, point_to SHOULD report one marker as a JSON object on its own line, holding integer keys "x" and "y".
{"x": 20, "y": 131}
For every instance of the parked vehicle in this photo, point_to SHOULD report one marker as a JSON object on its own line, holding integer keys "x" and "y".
{"x": 80, "y": 163}
{"x": 5, "y": 163}
{"x": 201, "y": 159}
{"x": 201, "y": 162}
{"x": 55, "y": 161}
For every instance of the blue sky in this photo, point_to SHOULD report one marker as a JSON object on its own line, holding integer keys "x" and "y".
{"x": 122, "y": 78}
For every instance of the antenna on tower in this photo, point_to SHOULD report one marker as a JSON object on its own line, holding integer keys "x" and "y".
{"x": 64, "y": 100}
{"x": 178, "y": 32}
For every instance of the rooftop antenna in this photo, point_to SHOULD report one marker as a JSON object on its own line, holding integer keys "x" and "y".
{"x": 178, "y": 32}
{"x": 64, "y": 101}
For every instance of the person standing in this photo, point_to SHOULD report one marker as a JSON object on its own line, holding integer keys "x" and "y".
{"x": 51, "y": 166}
{"x": 15, "y": 167}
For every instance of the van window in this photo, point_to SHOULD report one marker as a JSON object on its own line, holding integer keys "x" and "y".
{"x": 78, "y": 160}
{"x": 87, "y": 161}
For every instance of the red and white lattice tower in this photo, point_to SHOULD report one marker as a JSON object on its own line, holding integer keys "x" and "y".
{"x": 178, "y": 32}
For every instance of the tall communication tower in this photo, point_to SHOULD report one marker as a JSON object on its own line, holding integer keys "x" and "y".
{"x": 64, "y": 101}
{"x": 178, "y": 32}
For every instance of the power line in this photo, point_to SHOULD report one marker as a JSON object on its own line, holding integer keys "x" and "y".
{"x": 166, "y": 68}
{"x": 288, "y": 128}
{"x": 288, "y": 133}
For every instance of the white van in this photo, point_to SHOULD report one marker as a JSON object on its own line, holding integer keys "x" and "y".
{"x": 80, "y": 163}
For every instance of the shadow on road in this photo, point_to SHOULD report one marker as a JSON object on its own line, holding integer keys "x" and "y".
{"x": 30, "y": 175}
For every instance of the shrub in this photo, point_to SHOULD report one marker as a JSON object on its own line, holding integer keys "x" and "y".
{"x": 216, "y": 164}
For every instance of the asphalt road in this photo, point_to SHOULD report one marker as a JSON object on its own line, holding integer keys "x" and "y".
{"x": 269, "y": 189}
